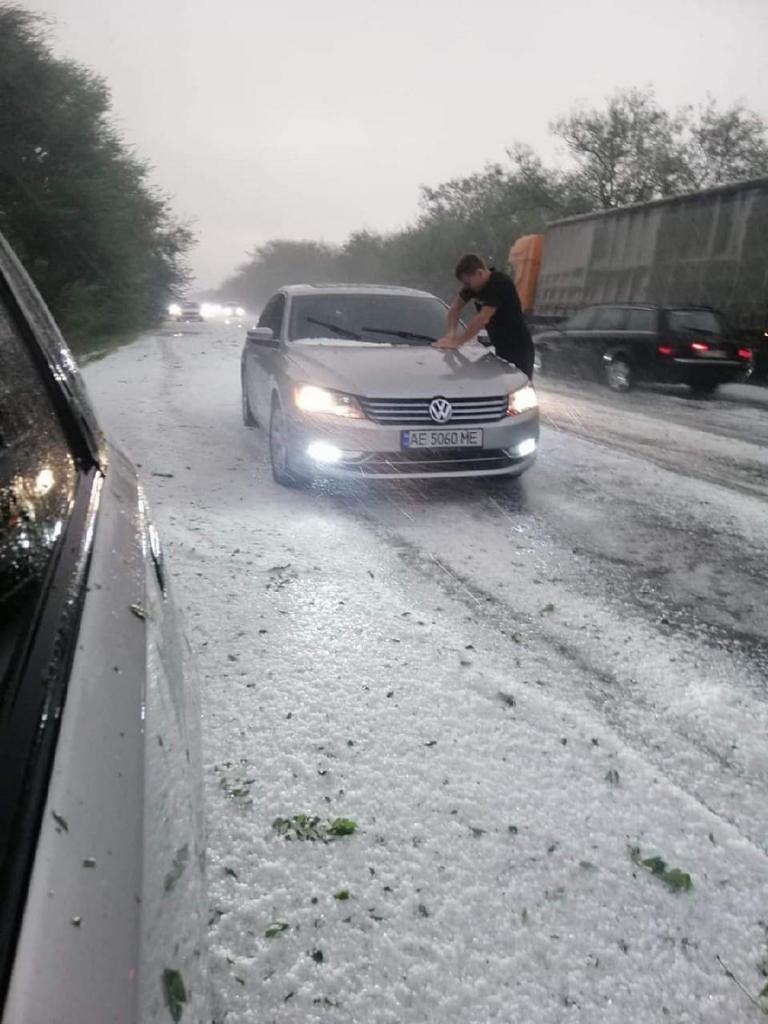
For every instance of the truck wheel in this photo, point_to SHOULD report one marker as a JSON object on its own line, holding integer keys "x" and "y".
{"x": 618, "y": 374}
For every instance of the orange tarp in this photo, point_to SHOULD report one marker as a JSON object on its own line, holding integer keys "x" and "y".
{"x": 525, "y": 260}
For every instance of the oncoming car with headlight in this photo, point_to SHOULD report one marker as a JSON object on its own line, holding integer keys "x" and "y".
{"x": 346, "y": 383}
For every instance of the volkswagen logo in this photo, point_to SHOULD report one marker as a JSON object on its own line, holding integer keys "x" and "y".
{"x": 441, "y": 410}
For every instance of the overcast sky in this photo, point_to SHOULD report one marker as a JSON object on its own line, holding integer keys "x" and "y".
{"x": 308, "y": 119}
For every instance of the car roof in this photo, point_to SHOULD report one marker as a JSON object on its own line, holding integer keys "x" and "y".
{"x": 352, "y": 289}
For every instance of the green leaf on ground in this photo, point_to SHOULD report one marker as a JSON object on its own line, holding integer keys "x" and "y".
{"x": 612, "y": 777}
{"x": 180, "y": 861}
{"x": 547, "y": 609}
{"x": 342, "y": 827}
{"x": 676, "y": 879}
{"x": 312, "y": 828}
{"x": 275, "y": 929}
{"x": 342, "y": 894}
{"x": 174, "y": 992}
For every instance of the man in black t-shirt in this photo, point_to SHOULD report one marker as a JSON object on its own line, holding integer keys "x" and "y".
{"x": 498, "y": 312}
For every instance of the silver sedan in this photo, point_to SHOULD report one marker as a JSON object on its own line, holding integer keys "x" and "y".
{"x": 347, "y": 384}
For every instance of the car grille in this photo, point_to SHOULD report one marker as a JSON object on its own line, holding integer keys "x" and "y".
{"x": 416, "y": 410}
{"x": 435, "y": 460}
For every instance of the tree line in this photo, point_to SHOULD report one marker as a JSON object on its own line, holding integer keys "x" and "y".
{"x": 101, "y": 243}
{"x": 628, "y": 150}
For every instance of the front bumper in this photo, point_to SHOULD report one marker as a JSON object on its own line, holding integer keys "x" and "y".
{"x": 373, "y": 450}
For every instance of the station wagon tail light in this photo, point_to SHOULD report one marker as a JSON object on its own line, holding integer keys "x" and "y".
{"x": 700, "y": 346}
{"x": 664, "y": 350}
{"x": 744, "y": 353}
{"x": 522, "y": 401}
{"x": 313, "y": 399}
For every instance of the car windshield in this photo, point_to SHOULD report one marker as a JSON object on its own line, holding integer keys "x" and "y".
{"x": 702, "y": 321}
{"x": 375, "y": 318}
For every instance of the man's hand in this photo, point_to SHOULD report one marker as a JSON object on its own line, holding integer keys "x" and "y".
{"x": 447, "y": 342}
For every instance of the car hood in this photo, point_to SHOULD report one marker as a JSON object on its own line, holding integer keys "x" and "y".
{"x": 400, "y": 371}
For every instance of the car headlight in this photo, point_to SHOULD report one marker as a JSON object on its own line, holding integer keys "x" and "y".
{"x": 310, "y": 398}
{"x": 239, "y": 311}
{"x": 522, "y": 401}
{"x": 174, "y": 309}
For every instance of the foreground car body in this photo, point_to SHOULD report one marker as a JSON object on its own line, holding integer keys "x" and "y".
{"x": 624, "y": 345}
{"x": 102, "y": 898}
{"x": 347, "y": 384}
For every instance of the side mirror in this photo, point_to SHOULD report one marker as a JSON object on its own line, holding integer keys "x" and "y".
{"x": 262, "y": 336}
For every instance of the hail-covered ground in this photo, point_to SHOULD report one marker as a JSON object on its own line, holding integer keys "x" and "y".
{"x": 474, "y": 752}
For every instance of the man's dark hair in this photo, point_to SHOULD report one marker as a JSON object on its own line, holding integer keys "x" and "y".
{"x": 469, "y": 264}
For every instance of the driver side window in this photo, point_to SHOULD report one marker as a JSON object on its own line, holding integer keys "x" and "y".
{"x": 272, "y": 315}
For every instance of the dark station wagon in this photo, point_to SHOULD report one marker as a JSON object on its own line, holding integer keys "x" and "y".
{"x": 627, "y": 344}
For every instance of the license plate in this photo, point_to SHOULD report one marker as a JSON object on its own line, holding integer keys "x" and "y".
{"x": 443, "y": 437}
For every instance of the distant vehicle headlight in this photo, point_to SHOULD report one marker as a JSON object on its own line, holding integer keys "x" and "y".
{"x": 522, "y": 401}
{"x": 309, "y": 398}
{"x": 174, "y": 309}
{"x": 239, "y": 311}
{"x": 208, "y": 309}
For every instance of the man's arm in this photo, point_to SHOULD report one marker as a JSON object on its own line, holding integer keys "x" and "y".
{"x": 473, "y": 328}
{"x": 454, "y": 315}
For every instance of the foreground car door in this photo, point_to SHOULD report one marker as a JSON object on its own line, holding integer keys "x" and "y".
{"x": 102, "y": 899}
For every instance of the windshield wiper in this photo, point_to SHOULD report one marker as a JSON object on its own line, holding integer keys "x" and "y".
{"x": 342, "y": 332}
{"x": 399, "y": 334}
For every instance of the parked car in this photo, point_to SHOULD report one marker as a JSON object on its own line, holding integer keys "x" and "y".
{"x": 624, "y": 345}
{"x": 186, "y": 313}
{"x": 345, "y": 381}
{"x": 102, "y": 896}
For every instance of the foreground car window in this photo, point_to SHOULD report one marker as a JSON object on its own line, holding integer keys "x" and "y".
{"x": 389, "y": 319}
{"x": 37, "y": 479}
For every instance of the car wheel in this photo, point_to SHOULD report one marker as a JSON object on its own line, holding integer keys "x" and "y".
{"x": 618, "y": 373}
{"x": 248, "y": 418}
{"x": 279, "y": 452}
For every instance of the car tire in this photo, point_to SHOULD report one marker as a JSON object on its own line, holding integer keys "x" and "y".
{"x": 279, "y": 453}
{"x": 618, "y": 374}
{"x": 248, "y": 418}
